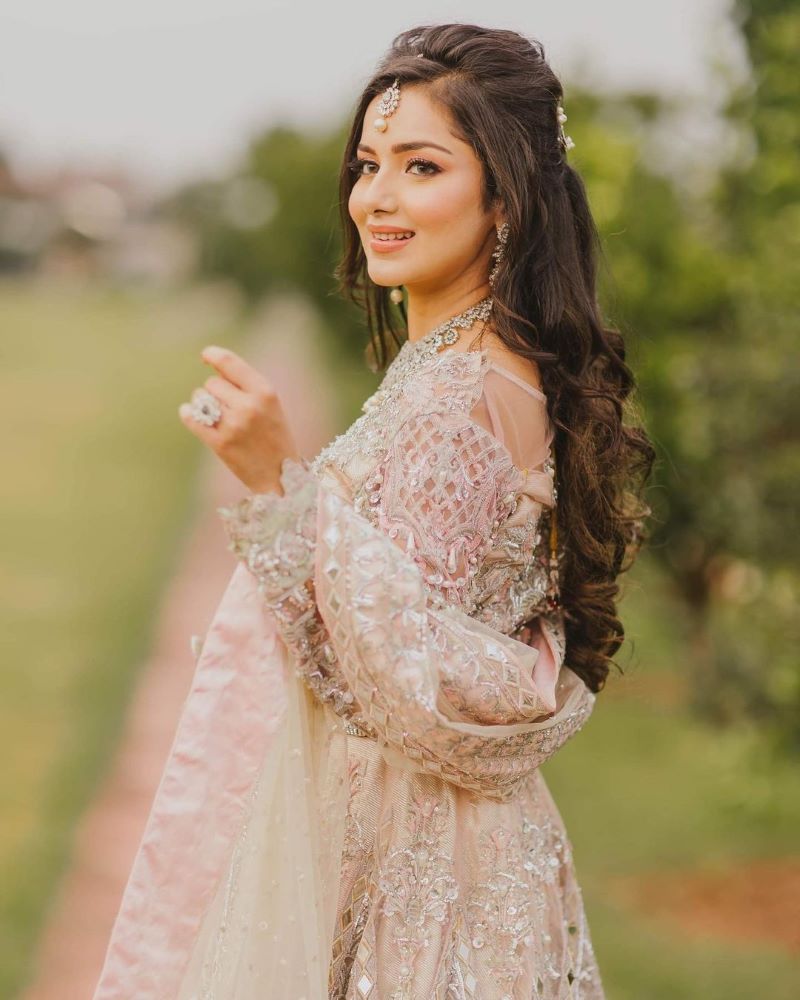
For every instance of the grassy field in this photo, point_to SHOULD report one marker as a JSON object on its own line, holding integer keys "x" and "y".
{"x": 99, "y": 489}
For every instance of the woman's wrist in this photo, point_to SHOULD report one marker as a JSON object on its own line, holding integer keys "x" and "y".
{"x": 272, "y": 482}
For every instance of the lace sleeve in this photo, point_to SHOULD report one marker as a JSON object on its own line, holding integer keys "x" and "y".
{"x": 274, "y": 535}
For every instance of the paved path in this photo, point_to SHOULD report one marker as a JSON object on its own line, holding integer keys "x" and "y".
{"x": 74, "y": 941}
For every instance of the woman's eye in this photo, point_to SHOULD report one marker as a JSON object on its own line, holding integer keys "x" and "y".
{"x": 419, "y": 162}
{"x": 357, "y": 167}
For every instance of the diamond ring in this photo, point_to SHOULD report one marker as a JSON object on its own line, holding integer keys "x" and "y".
{"x": 205, "y": 408}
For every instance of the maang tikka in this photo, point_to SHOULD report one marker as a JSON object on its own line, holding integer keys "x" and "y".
{"x": 386, "y": 107}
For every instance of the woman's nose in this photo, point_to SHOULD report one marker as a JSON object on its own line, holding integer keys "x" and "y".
{"x": 381, "y": 194}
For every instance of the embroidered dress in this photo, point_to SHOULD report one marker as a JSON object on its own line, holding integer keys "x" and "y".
{"x": 353, "y": 806}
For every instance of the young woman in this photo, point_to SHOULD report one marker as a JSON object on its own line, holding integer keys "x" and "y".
{"x": 353, "y": 806}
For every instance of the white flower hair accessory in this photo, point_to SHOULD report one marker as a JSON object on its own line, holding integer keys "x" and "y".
{"x": 563, "y": 138}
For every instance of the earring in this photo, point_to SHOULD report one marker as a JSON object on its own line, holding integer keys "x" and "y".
{"x": 499, "y": 251}
{"x": 396, "y": 295}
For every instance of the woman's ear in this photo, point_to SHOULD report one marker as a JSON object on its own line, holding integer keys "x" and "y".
{"x": 499, "y": 215}
{"x": 498, "y": 210}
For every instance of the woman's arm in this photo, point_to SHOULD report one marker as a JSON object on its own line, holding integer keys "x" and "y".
{"x": 274, "y": 535}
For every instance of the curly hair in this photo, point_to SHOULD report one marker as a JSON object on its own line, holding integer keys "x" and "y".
{"x": 502, "y": 97}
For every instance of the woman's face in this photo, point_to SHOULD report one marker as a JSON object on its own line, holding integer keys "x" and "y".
{"x": 433, "y": 192}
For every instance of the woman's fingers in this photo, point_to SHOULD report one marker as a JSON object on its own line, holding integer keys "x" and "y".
{"x": 227, "y": 393}
{"x": 227, "y": 396}
{"x": 235, "y": 406}
{"x": 252, "y": 437}
{"x": 235, "y": 369}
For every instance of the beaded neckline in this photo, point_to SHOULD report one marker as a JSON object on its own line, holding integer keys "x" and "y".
{"x": 447, "y": 333}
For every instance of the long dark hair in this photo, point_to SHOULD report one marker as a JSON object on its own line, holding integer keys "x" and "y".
{"x": 502, "y": 97}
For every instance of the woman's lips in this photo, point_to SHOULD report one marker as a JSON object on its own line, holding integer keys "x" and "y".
{"x": 389, "y": 246}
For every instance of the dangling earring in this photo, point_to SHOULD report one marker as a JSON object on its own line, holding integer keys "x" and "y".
{"x": 499, "y": 251}
{"x": 396, "y": 295}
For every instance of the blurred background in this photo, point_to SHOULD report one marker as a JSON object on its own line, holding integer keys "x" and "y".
{"x": 168, "y": 180}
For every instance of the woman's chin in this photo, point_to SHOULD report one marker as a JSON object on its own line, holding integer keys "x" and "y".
{"x": 387, "y": 276}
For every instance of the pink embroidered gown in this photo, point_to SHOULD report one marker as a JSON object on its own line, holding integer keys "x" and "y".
{"x": 353, "y": 807}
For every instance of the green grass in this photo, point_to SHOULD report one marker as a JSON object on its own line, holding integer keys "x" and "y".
{"x": 99, "y": 485}
{"x": 646, "y": 960}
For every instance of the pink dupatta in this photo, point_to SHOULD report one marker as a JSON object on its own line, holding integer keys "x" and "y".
{"x": 254, "y": 787}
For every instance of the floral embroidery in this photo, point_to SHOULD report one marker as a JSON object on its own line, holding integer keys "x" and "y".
{"x": 447, "y": 470}
{"x": 498, "y": 908}
{"x": 545, "y": 851}
{"x": 418, "y": 885}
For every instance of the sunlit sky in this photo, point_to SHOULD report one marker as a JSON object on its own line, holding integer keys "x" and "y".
{"x": 171, "y": 89}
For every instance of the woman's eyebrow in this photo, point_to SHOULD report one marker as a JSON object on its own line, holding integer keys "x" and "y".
{"x": 404, "y": 147}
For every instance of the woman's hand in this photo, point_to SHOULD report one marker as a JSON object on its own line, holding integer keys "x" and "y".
{"x": 252, "y": 437}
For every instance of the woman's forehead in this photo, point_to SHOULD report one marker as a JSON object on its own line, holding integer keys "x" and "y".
{"x": 415, "y": 119}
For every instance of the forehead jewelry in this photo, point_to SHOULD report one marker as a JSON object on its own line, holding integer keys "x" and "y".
{"x": 388, "y": 105}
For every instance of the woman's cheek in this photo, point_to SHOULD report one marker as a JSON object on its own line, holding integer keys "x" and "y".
{"x": 444, "y": 206}
{"x": 354, "y": 208}
{"x": 430, "y": 208}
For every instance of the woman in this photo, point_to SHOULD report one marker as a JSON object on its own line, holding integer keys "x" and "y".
{"x": 353, "y": 806}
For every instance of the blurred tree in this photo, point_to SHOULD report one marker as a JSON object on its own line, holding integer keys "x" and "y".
{"x": 709, "y": 291}
{"x": 274, "y": 225}
{"x": 757, "y": 627}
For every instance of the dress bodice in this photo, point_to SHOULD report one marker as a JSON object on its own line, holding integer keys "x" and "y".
{"x": 492, "y": 426}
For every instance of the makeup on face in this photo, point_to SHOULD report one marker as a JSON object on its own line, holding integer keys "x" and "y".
{"x": 386, "y": 239}
{"x": 417, "y": 177}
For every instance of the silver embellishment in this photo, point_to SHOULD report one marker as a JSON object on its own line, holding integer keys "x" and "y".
{"x": 353, "y": 730}
{"x": 417, "y": 885}
{"x": 387, "y": 105}
{"x": 499, "y": 251}
{"x": 368, "y": 435}
{"x": 205, "y": 408}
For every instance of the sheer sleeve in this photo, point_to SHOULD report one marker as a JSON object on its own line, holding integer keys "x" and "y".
{"x": 368, "y": 591}
{"x": 515, "y": 412}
